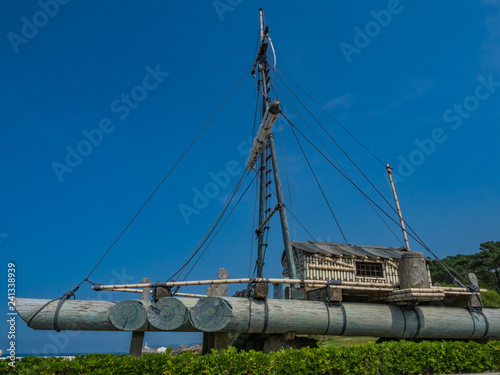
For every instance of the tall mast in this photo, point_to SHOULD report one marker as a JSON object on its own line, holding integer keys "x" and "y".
{"x": 400, "y": 215}
{"x": 265, "y": 141}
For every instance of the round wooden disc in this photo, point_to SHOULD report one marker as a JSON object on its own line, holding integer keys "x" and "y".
{"x": 167, "y": 314}
{"x": 129, "y": 315}
{"x": 211, "y": 314}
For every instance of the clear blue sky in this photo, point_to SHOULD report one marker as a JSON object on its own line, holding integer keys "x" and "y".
{"x": 396, "y": 74}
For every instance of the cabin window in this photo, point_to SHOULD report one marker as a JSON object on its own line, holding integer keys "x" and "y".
{"x": 369, "y": 269}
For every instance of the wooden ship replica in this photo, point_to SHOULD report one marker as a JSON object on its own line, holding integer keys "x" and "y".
{"x": 327, "y": 288}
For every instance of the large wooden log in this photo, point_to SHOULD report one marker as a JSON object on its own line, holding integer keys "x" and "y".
{"x": 74, "y": 315}
{"x": 79, "y": 315}
{"x": 210, "y": 314}
{"x": 351, "y": 319}
{"x": 170, "y": 313}
{"x": 129, "y": 315}
{"x": 281, "y": 316}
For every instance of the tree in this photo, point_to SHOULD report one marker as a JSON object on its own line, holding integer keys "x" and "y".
{"x": 485, "y": 264}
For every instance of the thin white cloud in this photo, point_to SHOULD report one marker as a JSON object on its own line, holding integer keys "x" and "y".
{"x": 344, "y": 101}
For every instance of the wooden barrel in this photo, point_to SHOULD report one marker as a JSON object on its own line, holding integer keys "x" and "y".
{"x": 129, "y": 315}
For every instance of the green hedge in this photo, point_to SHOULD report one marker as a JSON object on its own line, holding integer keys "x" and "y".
{"x": 385, "y": 358}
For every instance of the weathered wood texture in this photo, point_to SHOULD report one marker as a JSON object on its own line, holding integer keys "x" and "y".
{"x": 216, "y": 340}
{"x": 302, "y": 317}
{"x": 78, "y": 315}
{"x": 137, "y": 340}
{"x": 74, "y": 315}
{"x": 412, "y": 271}
{"x": 318, "y": 283}
{"x": 170, "y": 313}
{"x": 210, "y": 314}
{"x": 129, "y": 315}
{"x": 352, "y": 319}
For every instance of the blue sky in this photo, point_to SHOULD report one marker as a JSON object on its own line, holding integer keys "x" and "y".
{"x": 416, "y": 82}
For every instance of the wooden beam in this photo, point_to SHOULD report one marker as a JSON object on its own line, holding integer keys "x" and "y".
{"x": 350, "y": 319}
{"x": 302, "y": 317}
{"x": 137, "y": 340}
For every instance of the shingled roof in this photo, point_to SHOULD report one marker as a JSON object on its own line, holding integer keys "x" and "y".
{"x": 336, "y": 249}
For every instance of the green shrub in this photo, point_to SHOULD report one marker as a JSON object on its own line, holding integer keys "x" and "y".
{"x": 491, "y": 298}
{"x": 428, "y": 357}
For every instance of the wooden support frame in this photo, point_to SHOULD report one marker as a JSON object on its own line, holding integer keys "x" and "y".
{"x": 137, "y": 339}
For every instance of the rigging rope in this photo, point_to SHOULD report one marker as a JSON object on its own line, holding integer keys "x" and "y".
{"x": 333, "y": 157}
{"x": 338, "y": 145}
{"x": 333, "y": 118}
{"x": 291, "y": 213}
{"x": 168, "y": 174}
{"x": 414, "y": 235}
{"x": 224, "y": 222}
{"x": 319, "y": 185}
{"x": 212, "y": 227}
{"x": 71, "y": 293}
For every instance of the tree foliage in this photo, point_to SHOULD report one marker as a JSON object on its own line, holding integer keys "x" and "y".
{"x": 485, "y": 264}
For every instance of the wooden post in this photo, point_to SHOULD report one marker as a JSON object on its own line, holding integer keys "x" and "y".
{"x": 401, "y": 221}
{"x": 138, "y": 337}
{"x": 215, "y": 340}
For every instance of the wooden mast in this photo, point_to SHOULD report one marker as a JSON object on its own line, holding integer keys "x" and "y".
{"x": 401, "y": 221}
{"x": 261, "y": 58}
{"x": 261, "y": 61}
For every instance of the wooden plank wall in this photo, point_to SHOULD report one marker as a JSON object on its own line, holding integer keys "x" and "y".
{"x": 327, "y": 267}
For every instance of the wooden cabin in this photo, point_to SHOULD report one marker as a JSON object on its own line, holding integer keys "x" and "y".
{"x": 317, "y": 260}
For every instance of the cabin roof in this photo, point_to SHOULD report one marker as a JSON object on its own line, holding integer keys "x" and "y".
{"x": 336, "y": 249}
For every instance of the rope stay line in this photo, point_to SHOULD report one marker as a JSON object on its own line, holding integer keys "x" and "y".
{"x": 320, "y": 188}
{"x": 416, "y": 236}
{"x": 334, "y": 159}
{"x": 330, "y": 115}
{"x": 222, "y": 225}
{"x": 290, "y": 212}
{"x": 420, "y": 241}
{"x": 338, "y": 145}
{"x": 168, "y": 174}
{"x": 412, "y": 233}
{"x": 71, "y": 293}
{"x": 211, "y": 228}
